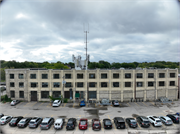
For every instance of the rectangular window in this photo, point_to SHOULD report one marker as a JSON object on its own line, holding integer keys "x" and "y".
{"x": 139, "y": 84}
{"x": 161, "y": 83}
{"x": 92, "y": 94}
{"x": 150, "y": 75}
{"x": 34, "y": 84}
{"x": 33, "y": 76}
{"x": 21, "y": 84}
{"x": 79, "y": 76}
{"x": 12, "y": 94}
{"x": 127, "y": 75}
{"x": 116, "y": 75}
{"x": 92, "y": 84}
{"x": 172, "y": 83}
{"x": 44, "y": 94}
{"x": 127, "y": 84}
{"x": 115, "y": 84}
{"x": 56, "y": 84}
{"x": 150, "y": 84}
{"x": 68, "y": 84}
{"x": 139, "y": 75}
{"x": 11, "y": 76}
{"x": 79, "y": 84}
{"x": 103, "y": 76}
{"x": 56, "y": 94}
{"x": 12, "y": 84}
{"x": 67, "y": 76}
{"x": 44, "y": 76}
{"x": 103, "y": 84}
{"x": 172, "y": 75}
{"x": 91, "y": 76}
{"x": 161, "y": 75}
{"x": 44, "y": 84}
{"x": 21, "y": 94}
{"x": 21, "y": 76}
{"x": 56, "y": 76}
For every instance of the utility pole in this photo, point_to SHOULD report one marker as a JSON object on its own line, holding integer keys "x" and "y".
{"x": 155, "y": 91}
{"x": 135, "y": 87}
{"x": 63, "y": 88}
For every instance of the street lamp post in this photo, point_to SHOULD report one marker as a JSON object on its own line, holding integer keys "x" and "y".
{"x": 155, "y": 91}
{"x": 63, "y": 88}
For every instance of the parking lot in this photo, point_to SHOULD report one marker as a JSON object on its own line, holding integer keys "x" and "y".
{"x": 90, "y": 111}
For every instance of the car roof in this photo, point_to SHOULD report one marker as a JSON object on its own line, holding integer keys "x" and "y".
{"x": 165, "y": 117}
{"x": 56, "y": 100}
{"x": 83, "y": 119}
{"x": 58, "y": 120}
{"x": 46, "y": 119}
{"x": 5, "y": 116}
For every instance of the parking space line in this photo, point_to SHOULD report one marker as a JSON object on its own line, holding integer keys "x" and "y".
{"x": 26, "y": 104}
{"x": 115, "y": 126}
{"x": 87, "y": 105}
{"x": 34, "y": 104}
{"x": 145, "y": 104}
{"x": 151, "y": 102}
{"x": 128, "y": 104}
{"x": 137, "y": 104}
{"x": 41, "y": 103}
{"x": 48, "y": 105}
{"x": 65, "y": 104}
{"x": 25, "y": 115}
{"x": 108, "y": 116}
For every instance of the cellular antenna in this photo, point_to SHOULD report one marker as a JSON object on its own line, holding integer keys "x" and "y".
{"x": 85, "y": 41}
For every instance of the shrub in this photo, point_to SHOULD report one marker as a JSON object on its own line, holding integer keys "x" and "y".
{"x": 6, "y": 98}
{"x": 65, "y": 100}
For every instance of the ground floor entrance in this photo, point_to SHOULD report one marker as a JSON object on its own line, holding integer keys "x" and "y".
{"x": 33, "y": 95}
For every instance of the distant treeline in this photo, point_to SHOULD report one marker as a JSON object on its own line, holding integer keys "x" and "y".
{"x": 91, "y": 65}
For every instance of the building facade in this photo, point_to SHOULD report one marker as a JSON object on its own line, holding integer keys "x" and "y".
{"x": 120, "y": 84}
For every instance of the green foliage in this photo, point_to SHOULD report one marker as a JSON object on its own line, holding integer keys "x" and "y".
{"x": 65, "y": 100}
{"x": 6, "y": 98}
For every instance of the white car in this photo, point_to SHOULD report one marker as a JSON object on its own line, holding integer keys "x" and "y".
{"x": 56, "y": 103}
{"x": 166, "y": 120}
{"x": 14, "y": 102}
{"x": 59, "y": 123}
{"x": 5, "y": 119}
{"x": 155, "y": 121}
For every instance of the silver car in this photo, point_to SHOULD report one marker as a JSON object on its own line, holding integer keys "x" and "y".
{"x": 34, "y": 122}
{"x": 5, "y": 119}
{"x": 14, "y": 102}
{"x": 166, "y": 120}
{"x": 46, "y": 123}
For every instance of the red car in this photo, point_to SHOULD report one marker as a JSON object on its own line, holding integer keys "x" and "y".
{"x": 83, "y": 124}
{"x": 96, "y": 125}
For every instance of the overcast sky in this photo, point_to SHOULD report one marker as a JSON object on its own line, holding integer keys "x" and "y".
{"x": 119, "y": 31}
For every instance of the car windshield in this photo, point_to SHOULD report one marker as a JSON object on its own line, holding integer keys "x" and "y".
{"x": 108, "y": 123}
{"x": 168, "y": 120}
{"x": 22, "y": 122}
{"x": 2, "y": 119}
{"x": 13, "y": 121}
{"x": 146, "y": 121}
{"x": 70, "y": 122}
{"x": 55, "y": 103}
{"x": 158, "y": 121}
{"x": 31, "y": 122}
{"x": 43, "y": 123}
{"x": 83, "y": 122}
{"x": 14, "y": 100}
{"x": 116, "y": 101}
{"x": 96, "y": 124}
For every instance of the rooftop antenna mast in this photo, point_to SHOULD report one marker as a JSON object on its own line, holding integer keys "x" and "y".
{"x": 85, "y": 41}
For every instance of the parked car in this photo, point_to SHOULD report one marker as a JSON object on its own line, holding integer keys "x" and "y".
{"x": 59, "y": 123}
{"x": 82, "y": 103}
{"x": 166, "y": 120}
{"x": 115, "y": 103}
{"x": 177, "y": 113}
{"x": 1, "y": 115}
{"x": 131, "y": 122}
{"x": 56, "y": 103}
{"x": 105, "y": 102}
{"x": 71, "y": 124}
{"x": 5, "y": 119}
{"x": 155, "y": 121}
{"x": 143, "y": 121}
{"x": 107, "y": 123}
{"x": 24, "y": 122}
{"x": 119, "y": 122}
{"x": 174, "y": 117}
{"x": 46, "y": 123}
{"x": 34, "y": 122}
{"x": 83, "y": 124}
{"x": 14, "y": 102}
{"x": 14, "y": 121}
{"x": 96, "y": 124}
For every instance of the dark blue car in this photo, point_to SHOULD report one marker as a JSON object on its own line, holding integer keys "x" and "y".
{"x": 82, "y": 103}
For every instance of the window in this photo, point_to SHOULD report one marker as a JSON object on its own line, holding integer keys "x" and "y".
{"x": 56, "y": 94}
{"x": 91, "y": 76}
{"x": 56, "y": 84}
{"x": 92, "y": 84}
{"x": 150, "y": 75}
{"x": 103, "y": 84}
{"x": 34, "y": 84}
{"x": 161, "y": 75}
{"x": 127, "y": 84}
{"x": 161, "y": 83}
{"x": 12, "y": 84}
{"x": 79, "y": 76}
{"x": 150, "y": 84}
{"x": 11, "y": 76}
{"x": 44, "y": 94}
{"x": 172, "y": 75}
{"x": 67, "y": 76}
{"x": 44, "y": 76}
{"x": 68, "y": 84}
{"x": 79, "y": 84}
{"x": 172, "y": 83}
{"x": 21, "y": 84}
{"x": 12, "y": 94}
{"x": 21, "y": 94}
{"x": 21, "y": 76}
{"x": 115, "y": 84}
{"x": 56, "y": 76}
{"x": 139, "y": 84}
{"x": 44, "y": 84}
{"x": 92, "y": 94}
{"x": 116, "y": 75}
{"x": 127, "y": 75}
{"x": 33, "y": 76}
{"x": 103, "y": 76}
{"x": 139, "y": 75}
